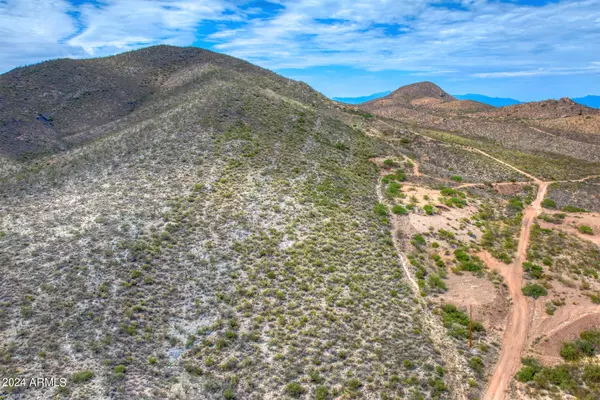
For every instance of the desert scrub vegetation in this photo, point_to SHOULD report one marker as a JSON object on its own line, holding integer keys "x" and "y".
{"x": 467, "y": 262}
{"x": 578, "y": 376}
{"x": 534, "y": 290}
{"x": 452, "y": 197}
{"x": 500, "y": 226}
{"x": 559, "y": 163}
{"x": 238, "y": 252}
{"x": 457, "y": 322}
{"x": 576, "y": 196}
{"x": 554, "y": 255}
{"x": 460, "y": 165}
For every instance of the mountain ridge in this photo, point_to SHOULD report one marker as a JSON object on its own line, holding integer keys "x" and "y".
{"x": 493, "y": 101}
{"x": 592, "y": 101}
{"x": 361, "y": 99}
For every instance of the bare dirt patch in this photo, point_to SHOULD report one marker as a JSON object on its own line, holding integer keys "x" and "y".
{"x": 510, "y": 188}
{"x": 550, "y": 332}
{"x": 572, "y": 223}
{"x": 489, "y": 304}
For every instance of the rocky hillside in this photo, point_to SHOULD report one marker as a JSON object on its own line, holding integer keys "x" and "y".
{"x": 53, "y": 105}
{"x": 416, "y": 94}
{"x": 546, "y": 109}
{"x": 180, "y": 224}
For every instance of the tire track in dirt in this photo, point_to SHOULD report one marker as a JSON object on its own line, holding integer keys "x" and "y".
{"x": 519, "y": 320}
{"x": 517, "y": 328}
{"x": 452, "y": 360}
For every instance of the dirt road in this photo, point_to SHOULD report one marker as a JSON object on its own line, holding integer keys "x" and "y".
{"x": 519, "y": 320}
{"x": 517, "y": 328}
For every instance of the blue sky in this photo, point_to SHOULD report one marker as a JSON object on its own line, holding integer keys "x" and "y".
{"x": 525, "y": 49}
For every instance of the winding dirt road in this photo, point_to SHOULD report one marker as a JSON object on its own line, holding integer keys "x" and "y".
{"x": 515, "y": 334}
{"x": 519, "y": 319}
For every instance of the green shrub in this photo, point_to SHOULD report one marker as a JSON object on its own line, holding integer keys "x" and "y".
{"x": 428, "y": 209}
{"x": 591, "y": 374}
{"x": 548, "y": 203}
{"x": 394, "y": 189}
{"x": 570, "y": 352}
{"x": 448, "y": 191}
{"x": 586, "y": 230}
{"x": 457, "y": 322}
{"x": 418, "y": 240}
{"x": 82, "y": 376}
{"x": 353, "y": 384}
{"x": 120, "y": 369}
{"x": 229, "y": 395}
{"x": 515, "y": 204}
{"x": 322, "y": 393}
{"x": 526, "y": 374}
{"x": 399, "y": 210}
{"x": 389, "y": 163}
{"x": 476, "y": 364}
{"x": 456, "y": 178}
{"x": 534, "y": 290}
{"x": 294, "y": 389}
{"x": 435, "y": 281}
{"x": 381, "y": 210}
{"x": 530, "y": 368}
{"x": 535, "y": 271}
{"x": 573, "y": 209}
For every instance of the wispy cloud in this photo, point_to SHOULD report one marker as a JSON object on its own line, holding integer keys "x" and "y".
{"x": 474, "y": 35}
{"x": 540, "y": 72}
{"x": 122, "y": 25}
{"x": 459, "y": 39}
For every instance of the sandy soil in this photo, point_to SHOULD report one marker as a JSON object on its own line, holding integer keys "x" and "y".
{"x": 549, "y": 332}
{"x": 517, "y": 327}
{"x": 489, "y": 304}
{"x": 528, "y": 329}
{"x": 572, "y": 223}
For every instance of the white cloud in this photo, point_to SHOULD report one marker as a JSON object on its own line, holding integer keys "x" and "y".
{"x": 540, "y": 72}
{"x": 127, "y": 24}
{"x": 486, "y": 36}
{"x": 32, "y": 30}
{"x": 480, "y": 39}
{"x": 35, "y": 30}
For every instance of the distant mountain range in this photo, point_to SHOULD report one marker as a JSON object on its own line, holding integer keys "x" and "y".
{"x": 357, "y": 100}
{"x": 492, "y": 101}
{"x": 590, "y": 101}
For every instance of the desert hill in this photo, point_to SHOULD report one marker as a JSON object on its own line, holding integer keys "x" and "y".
{"x": 561, "y": 126}
{"x": 416, "y": 94}
{"x": 53, "y": 105}
{"x": 424, "y": 95}
{"x": 176, "y": 223}
{"x": 546, "y": 109}
{"x": 187, "y": 225}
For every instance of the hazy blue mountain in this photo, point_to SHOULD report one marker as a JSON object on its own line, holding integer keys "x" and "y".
{"x": 492, "y": 101}
{"x": 590, "y": 101}
{"x": 357, "y": 100}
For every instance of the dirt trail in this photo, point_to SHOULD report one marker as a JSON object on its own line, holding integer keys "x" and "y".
{"x": 437, "y": 332}
{"x": 541, "y": 131}
{"x": 579, "y": 180}
{"x": 519, "y": 319}
{"x": 515, "y": 334}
